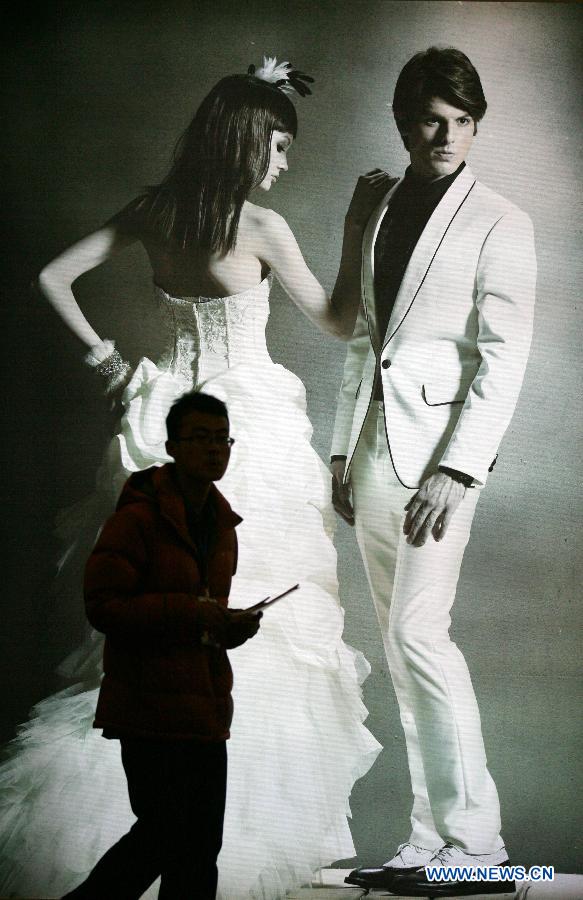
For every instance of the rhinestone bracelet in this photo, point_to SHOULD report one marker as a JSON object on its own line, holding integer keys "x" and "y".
{"x": 112, "y": 367}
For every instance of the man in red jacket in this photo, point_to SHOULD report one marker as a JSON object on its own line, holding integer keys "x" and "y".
{"x": 157, "y": 585}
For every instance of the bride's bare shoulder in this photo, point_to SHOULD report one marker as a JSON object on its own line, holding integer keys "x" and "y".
{"x": 264, "y": 231}
{"x": 260, "y": 218}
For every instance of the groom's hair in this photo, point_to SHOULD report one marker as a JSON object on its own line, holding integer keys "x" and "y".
{"x": 195, "y": 401}
{"x": 437, "y": 72}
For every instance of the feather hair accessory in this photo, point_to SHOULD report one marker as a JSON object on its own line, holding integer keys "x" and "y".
{"x": 282, "y": 75}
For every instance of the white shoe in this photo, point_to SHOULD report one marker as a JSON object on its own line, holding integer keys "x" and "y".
{"x": 448, "y": 855}
{"x": 409, "y": 856}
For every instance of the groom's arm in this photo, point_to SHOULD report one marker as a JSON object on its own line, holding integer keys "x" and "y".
{"x": 505, "y": 282}
{"x": 370, "y": 190}
{"x": 356, "y": 355}
{"x": 505, "y": 296}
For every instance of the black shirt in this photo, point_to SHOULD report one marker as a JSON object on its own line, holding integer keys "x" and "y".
{"x": 409, "y": 211}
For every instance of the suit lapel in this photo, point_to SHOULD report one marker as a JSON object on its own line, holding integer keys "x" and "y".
{"x": 368, "y": 242}
{"x": 426, "y": 248}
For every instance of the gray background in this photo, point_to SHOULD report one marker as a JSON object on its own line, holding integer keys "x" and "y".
{"x": 97, "y": 94}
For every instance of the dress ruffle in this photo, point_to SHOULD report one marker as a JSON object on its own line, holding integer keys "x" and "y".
{"x": 298, "y": 740}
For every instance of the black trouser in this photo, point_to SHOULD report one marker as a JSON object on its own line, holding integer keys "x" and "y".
{"x": 177, "y": 791}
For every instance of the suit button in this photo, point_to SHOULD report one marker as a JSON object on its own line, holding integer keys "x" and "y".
{"x": 386, "y": 363}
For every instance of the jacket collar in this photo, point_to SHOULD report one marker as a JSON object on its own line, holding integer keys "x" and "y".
{"x": 367, "y": 277}
{"x": 421, "y": 258}
{"x": 173, "y": 507}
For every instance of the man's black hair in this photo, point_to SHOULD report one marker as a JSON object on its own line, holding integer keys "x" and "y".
{"x": 437, "y": 72}
{"x": 195, "y": 401}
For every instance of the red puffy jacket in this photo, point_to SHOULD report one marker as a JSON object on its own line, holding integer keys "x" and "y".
{"x": 142, "y": 586}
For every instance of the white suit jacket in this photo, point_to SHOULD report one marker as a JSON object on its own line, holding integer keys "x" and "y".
{"x": 453, "y": 358}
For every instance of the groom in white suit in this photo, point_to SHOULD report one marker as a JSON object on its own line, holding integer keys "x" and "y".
{"x": 445, "y": 269}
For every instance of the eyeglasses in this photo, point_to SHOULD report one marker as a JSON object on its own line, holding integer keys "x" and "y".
{"x": 206, "y": 438}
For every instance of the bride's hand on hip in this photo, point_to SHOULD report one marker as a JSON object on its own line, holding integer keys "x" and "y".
{"x": 341, "y": 492}
{"x": 368, "y": 193}
{"x": 115, "y": 409}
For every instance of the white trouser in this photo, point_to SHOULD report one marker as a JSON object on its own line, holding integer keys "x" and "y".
{"x": 413, "y": 589}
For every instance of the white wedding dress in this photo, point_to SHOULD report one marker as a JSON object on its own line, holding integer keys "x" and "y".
{"x": 298, "y": 740}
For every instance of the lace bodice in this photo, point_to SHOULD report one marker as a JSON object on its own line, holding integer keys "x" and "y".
{"x": 207, "y": 335}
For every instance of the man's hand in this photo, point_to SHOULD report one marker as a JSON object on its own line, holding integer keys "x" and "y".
{"x": 341, "y": 499}
{"x": 240, "y": 626}
{"x": 368, "y": 193}
{"x": 430, "y": 510}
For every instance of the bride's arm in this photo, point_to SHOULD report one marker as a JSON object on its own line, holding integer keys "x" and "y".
{"x": 336, "y": 314}
{"x": 280, "y": 251}
{"x": 56, "y": 279}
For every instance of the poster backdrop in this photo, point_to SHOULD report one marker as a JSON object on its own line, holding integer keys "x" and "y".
{"x": 96, "y": 96}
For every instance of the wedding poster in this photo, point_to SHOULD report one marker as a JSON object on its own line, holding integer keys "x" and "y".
{"x": 96, "y": 95}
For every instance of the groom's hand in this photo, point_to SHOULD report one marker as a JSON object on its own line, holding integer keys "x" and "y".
{"x": 341, "y": 492}
{"x": 368, "y": 193}
{"x": 430, "y": 510}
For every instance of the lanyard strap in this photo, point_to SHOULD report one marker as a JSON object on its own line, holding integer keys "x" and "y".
{"x": 202, "y": 532}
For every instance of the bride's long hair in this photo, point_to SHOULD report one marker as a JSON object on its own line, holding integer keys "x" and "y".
{"x": 223, "y": 154}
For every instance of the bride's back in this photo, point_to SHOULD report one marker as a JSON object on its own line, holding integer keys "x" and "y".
{"x": 192, "y": 272}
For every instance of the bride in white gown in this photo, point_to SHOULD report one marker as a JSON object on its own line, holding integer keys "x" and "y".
{"x": 298, "y": 739}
